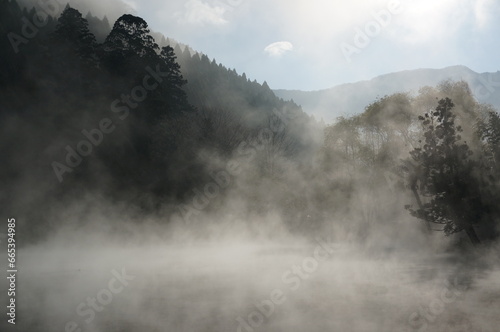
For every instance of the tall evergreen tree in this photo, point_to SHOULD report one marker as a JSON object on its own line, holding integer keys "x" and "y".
{"x": 175, "y": 80}
{"x": 73, "y": 30}
{"x": 168, "y": 99}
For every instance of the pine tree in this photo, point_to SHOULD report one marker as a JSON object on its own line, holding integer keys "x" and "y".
{"x": 72, "y": 29}
{"x": 100, "y": 28}
{"x": 177, "y": 49}
{"x": 175, "y": 81}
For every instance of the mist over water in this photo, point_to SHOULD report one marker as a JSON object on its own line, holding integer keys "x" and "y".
{"x": 216, "y": 206}
{"x": 229, "y": 283}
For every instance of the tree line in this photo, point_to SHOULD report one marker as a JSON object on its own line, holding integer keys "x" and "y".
{"x": 65, "y": 82}
{"x": 439, "y": 146}
{"x": 175, "y": 114}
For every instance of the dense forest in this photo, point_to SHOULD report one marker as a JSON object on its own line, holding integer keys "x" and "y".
{"x": 125, "y": 118}
{"x": 147, "y": 187}
{"x": 92, "y": 112}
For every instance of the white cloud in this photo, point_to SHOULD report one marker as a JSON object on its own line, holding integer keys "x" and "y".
{"x": 279, "y": 48}
{"x": 197, "y": 12}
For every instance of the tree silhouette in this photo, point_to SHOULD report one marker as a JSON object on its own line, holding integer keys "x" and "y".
{"x": 73, "y": 30}
{"x": 175, "y": 81}
{"x": 129, "y": 42}
{"x": 131, "y": 33}
{"x": 447, "y": 174}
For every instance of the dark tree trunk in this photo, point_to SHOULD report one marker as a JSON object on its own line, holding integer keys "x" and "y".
{"x": 421, "y": 207}
{"x": 472, "y": 235}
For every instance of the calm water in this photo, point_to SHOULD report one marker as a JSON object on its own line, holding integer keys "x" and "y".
{"x": 250, "y": 287}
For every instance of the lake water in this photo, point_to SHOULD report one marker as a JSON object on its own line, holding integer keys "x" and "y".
{"x": 268, "y": 287}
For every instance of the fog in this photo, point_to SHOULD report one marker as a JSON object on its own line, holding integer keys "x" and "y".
{"x": 227, "y": 208}
{"x": 209, "y": 287}
{"x": 110, "y": 8}
{"x": 220, "y": 273}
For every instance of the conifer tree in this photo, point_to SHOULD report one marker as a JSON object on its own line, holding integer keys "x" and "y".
{"x": 72, "y": 29}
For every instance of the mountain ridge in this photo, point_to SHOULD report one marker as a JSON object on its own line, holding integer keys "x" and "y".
{"x": 351, "y": 98}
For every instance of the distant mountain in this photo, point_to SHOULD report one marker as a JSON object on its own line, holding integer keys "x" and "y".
{"x": 352, "y": 98}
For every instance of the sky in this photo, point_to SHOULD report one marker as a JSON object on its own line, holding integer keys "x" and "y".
{"x": 317, "y": 44}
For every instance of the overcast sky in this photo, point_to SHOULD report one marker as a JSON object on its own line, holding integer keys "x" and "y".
{"x": 310, "y": 44}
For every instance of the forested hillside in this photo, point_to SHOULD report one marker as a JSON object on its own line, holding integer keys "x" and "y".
{"x": 123, "y": 118}
{"x": 147, "y": 187}
{"x": 120, "y": 118}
